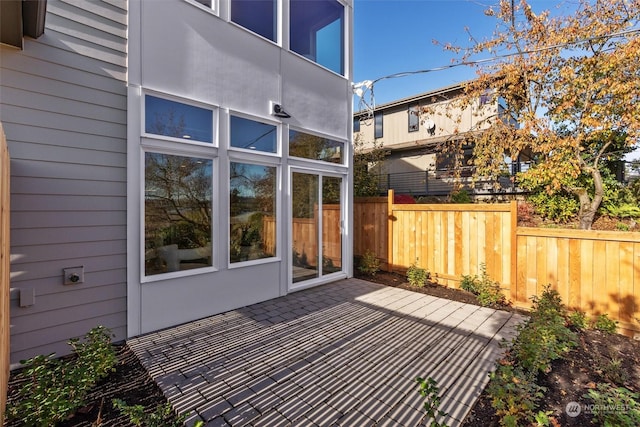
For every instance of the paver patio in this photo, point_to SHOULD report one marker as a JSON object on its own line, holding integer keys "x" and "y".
{"x": 342, "y": 354}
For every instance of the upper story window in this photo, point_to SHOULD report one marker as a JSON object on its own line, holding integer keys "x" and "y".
{"x": 258, "y": 16}
{"x": 356, "y": 124}
{"x": 317, "y": 32}
{"x": 315, "y": 147}
{"x": 177, "y": 120}
{"x": 251, "y": 135}
{"x": 377, "y": 124}
{"x": 414, "y": 118}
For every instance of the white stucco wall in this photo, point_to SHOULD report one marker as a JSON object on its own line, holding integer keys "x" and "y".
{"x": 189, "y": 52}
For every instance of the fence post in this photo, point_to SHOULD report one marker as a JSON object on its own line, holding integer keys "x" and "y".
{"x": 390, "y": 230}
{"x": 513, "y": 288}
{"x": 4, "y": 271}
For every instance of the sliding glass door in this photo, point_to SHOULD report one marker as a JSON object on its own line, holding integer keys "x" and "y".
{"x": 316, "y": 227}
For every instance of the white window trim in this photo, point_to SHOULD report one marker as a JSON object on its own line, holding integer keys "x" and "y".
{"x": 277, "y": 124}
{"x": 278, "y": 256}
{"x": 215, "y": 119}
{"x": 320, "y": 163}
{"x": 214, "y": 9}
{"x": 214, "y": 232}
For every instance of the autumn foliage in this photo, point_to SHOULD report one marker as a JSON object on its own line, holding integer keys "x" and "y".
{"x": 569, "y": 88}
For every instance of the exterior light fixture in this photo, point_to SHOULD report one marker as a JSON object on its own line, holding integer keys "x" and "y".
{"x": 278, "y": 111}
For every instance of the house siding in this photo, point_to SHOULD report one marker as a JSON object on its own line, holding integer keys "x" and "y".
{"x": 63, "y": 102}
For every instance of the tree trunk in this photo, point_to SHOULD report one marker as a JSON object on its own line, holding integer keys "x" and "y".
{"x": 588, "y": 206}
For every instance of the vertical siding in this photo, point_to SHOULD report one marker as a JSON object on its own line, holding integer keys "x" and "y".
{"x": 63, "y": 105}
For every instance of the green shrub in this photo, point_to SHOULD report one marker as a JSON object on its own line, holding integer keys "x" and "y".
{"x": 161, "y": 417}
{"x": 560, "y": 207}
{"x": 461, "y": 196}
{"x": 52, "y": 389}
{"x": 545, "y": 337}
{"x": 604, "y": 324}
{"x": 430, "y": 391}
{"x": 614, "y": 406}
{"x": 514, "y": 394}
{"x": 487, "y": 291}
{"x": 417, "y": 276}
{"x": 578, "y": 319}
{"x": 369, "y": 264}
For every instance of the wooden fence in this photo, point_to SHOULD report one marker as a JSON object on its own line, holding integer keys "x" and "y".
{"x": 594, "y": 271}
{"x": 4, "y": 271}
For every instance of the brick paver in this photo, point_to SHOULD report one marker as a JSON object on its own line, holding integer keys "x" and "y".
{"x": 342, "y": 354}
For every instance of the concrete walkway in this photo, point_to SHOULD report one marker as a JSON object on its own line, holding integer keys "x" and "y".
{"x": 343, "y": 354}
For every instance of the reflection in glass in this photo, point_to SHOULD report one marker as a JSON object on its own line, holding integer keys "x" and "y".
{"x": 331, "y": 225}
{"x": 177, "y": 120}
{"x": 317, "y": 32}
{"x": 177, "y": 213}
{"x": 315, "y": 147}
{"x": 258, "y": 16}
{"x": 253, "y": 135}
{"x": 252, "y": 233}
{"x": 304, "y": 227}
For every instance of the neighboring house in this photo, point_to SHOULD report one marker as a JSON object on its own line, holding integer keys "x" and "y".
{"x": 183, "y": 157}
{"x": 413, "y": 139}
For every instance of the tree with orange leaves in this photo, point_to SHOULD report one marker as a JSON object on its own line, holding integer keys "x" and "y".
{"x": 571, "y": 92}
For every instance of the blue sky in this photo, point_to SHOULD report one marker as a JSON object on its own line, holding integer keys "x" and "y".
{"x": 392, "y": 36}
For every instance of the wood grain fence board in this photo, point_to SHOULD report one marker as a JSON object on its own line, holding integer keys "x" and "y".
{"x": 594, "y": 271}
{"x": 4, "y": 271}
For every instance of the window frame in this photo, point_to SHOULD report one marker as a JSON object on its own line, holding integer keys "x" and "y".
{"x": 255, "y": 160}
{"x": 343, "y": 42}
{"x": 214, "y": 120}
{"x": 378, "y": 116}
{"x": 277, "y": 24}
{"x": 214, "y": 8}
{"x": 278, "y": 126}
{"x": 161, "y": 144}
{"x": 342, "y": 164}
{"x": 413, "y": 111}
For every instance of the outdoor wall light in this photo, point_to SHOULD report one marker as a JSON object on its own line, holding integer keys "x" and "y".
{"x": 278, "y": 111}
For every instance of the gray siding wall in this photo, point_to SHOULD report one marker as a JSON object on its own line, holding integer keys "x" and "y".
{"x": 63, "y": 105}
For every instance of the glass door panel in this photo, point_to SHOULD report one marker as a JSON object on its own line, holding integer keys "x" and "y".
{"x": 305, "y": 226}
{"x": 331, "y": 225}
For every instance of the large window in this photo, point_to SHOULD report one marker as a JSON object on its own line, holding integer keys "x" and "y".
{"x": 251, "y": 135}
{"x": 414, "y": 118}
{"x": 177, "y": 213}
{"x": 315, "y": 147}
{"x": 177, "y": 120}
{"x": 252, "y": 200}
{"x": 258, "y": 16}
{"x": 317, "y": 32}
{"x": 377, "y": 124}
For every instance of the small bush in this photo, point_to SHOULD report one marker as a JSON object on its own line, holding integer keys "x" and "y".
{"x": 161, "y": 417}
{"x": 369, "y": 264}
{"x": 52, "y": 389}
{"x": 558, "y": 207}
{"x": 514, "y": 395}
{"x": 614, "y": 406}
{"x": 487, "y": 291}
{"x": 578, "y": 319}
{"x": 545, "y": 337}
{"x": 461, "y": 196}
{"x": 604, "y": 324}
{"x": 417, "y": 276}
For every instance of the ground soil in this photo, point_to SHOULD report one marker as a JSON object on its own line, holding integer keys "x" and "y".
{"x": 129, "y": 382}
{"x": 570, "y": 378}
